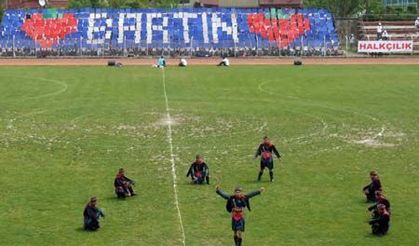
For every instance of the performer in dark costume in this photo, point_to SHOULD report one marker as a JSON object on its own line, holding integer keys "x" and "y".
{"x": 91, "y": 215}
{"x": 265, "y": 150}
{"x": 370, "y": 189}
{"x": 381, "y": 199}
{"x": 236, "y": 204}
{"x": 199, "y": 171}
{"x": 123, "y": 185}
{"x": 381, "y": 223}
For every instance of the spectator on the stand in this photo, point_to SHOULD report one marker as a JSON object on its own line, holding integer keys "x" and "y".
{"x": 417, "y": 22}
{"x": 385, "y": 35}
{"x": 379, "y": 31}
{"x": 352, "y": 41}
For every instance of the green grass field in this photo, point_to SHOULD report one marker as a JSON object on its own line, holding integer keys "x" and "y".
{"x": 64, "y": 132}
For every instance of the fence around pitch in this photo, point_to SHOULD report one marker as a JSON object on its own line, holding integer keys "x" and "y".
{"x": 252, "y": 47}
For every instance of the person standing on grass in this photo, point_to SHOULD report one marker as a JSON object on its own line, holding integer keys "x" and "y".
{"x": 123, "y": 185}
{"x": 265, "y": 150}
{"x": 236, "y": 204}
{"x": 91, "y": 215}
{"x": 381, "y": 223}
{"x": 199, "y": 171}
{"x": 370, "y": 189}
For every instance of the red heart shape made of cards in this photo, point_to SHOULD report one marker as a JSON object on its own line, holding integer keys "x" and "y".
{"x": 47, "y": 32}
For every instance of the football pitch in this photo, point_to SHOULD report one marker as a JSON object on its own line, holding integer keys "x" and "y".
{"x": 65, "y": 131}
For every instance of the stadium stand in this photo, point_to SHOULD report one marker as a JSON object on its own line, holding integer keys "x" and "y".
{"x": 200, "y": 32}
{"x": 252, "y": 3}
{"x": 397, "y": 30}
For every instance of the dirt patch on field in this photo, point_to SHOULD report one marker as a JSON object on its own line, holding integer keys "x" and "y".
{"x": 206, "y": 61}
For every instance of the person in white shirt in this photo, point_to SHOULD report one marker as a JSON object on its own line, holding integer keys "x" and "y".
{"x": 183, "y": 62}
{"x": 417, "y": 22}
{"x": 385, "y": 35}
{"x": 224, "y": 62}
{"x": 379, "y": 31}
{"x": 352, "y": 41}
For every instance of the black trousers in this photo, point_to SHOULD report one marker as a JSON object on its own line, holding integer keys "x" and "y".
{"x": 91, "y": 224}
{"x": 378, "y": 229}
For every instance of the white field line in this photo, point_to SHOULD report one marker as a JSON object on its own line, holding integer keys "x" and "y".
{"x": 261, "y": 88}
{"x": 63, "y": 84}
{"x": 260, "y": 129}
{"x": 380, "y": 134}
{"x": 373, "y": 139}
{"x": 172, "y": 156}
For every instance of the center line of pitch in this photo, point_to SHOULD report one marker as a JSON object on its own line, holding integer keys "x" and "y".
{"x": 172, "y": 157}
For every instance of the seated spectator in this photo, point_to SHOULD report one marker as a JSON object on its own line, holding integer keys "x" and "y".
{"x": 183, "y": 62}
{"x": 224, "y": 62}
{"x": 352, "y": 41}
{"x": 385, "y": 35}
{"x": 379, "y": 31}
{"x": 373, "y": 187}
{"x": 381, "y": 199}
{"x": 123, "y": 185}
{"x": 381, "y": 223}
{"x": 91, "y": 215}
{"x": 417, "y": 22}
{"x": 199, "y": 171}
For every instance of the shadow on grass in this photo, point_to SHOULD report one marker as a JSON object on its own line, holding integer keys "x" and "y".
{"x": 191, "y": 184}
{"x": 257, "y": 182}
{"x": 369, "y": 235}
{"x": 116, "y": 199}
{"x": 364, "y": 202}
{"x": 112, "y": 198}
{"x": 80, "y": 229}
